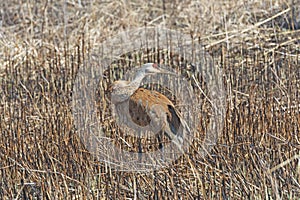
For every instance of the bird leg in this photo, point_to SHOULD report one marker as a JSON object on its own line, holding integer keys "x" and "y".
{"x": 140, "y": 150}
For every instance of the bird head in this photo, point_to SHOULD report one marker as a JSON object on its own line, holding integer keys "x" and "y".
{"x": 150, "y": 68}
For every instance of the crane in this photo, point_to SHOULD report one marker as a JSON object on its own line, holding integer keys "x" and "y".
{"x": 147, "y": 110}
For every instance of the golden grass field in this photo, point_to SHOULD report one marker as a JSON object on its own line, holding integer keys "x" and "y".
{"x": 43, "y": 44}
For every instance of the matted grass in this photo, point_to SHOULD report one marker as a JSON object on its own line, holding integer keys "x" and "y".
{"x": 44, "y": 43}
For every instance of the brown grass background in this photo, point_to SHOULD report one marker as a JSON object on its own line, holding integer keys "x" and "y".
{"x": 44, "y": 42}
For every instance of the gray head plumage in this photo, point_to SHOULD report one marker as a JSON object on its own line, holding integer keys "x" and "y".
{"x": 149, "y": 68}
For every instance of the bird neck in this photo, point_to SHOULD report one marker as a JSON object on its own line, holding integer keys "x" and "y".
{"x": 135, "y": 83}
{"x": 123, "y": 93}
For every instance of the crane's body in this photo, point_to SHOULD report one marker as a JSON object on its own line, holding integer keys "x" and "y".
{"x": 146, "y": 110}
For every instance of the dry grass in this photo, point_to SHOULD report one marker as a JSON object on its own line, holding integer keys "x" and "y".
{"x": 44, "y": 43}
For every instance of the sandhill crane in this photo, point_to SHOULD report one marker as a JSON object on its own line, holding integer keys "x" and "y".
{"x": 145, "y": 110}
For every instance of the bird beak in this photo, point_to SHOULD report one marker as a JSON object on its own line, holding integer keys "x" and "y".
{"x": 165, "y": 71}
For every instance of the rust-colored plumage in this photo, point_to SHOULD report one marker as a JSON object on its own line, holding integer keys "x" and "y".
{"x": 143, "y": 101}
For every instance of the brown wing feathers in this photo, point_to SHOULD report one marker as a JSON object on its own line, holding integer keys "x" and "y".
{"x": 143, "y": 100}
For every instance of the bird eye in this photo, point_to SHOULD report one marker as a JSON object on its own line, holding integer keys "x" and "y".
{"x": 155, "y": 65}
